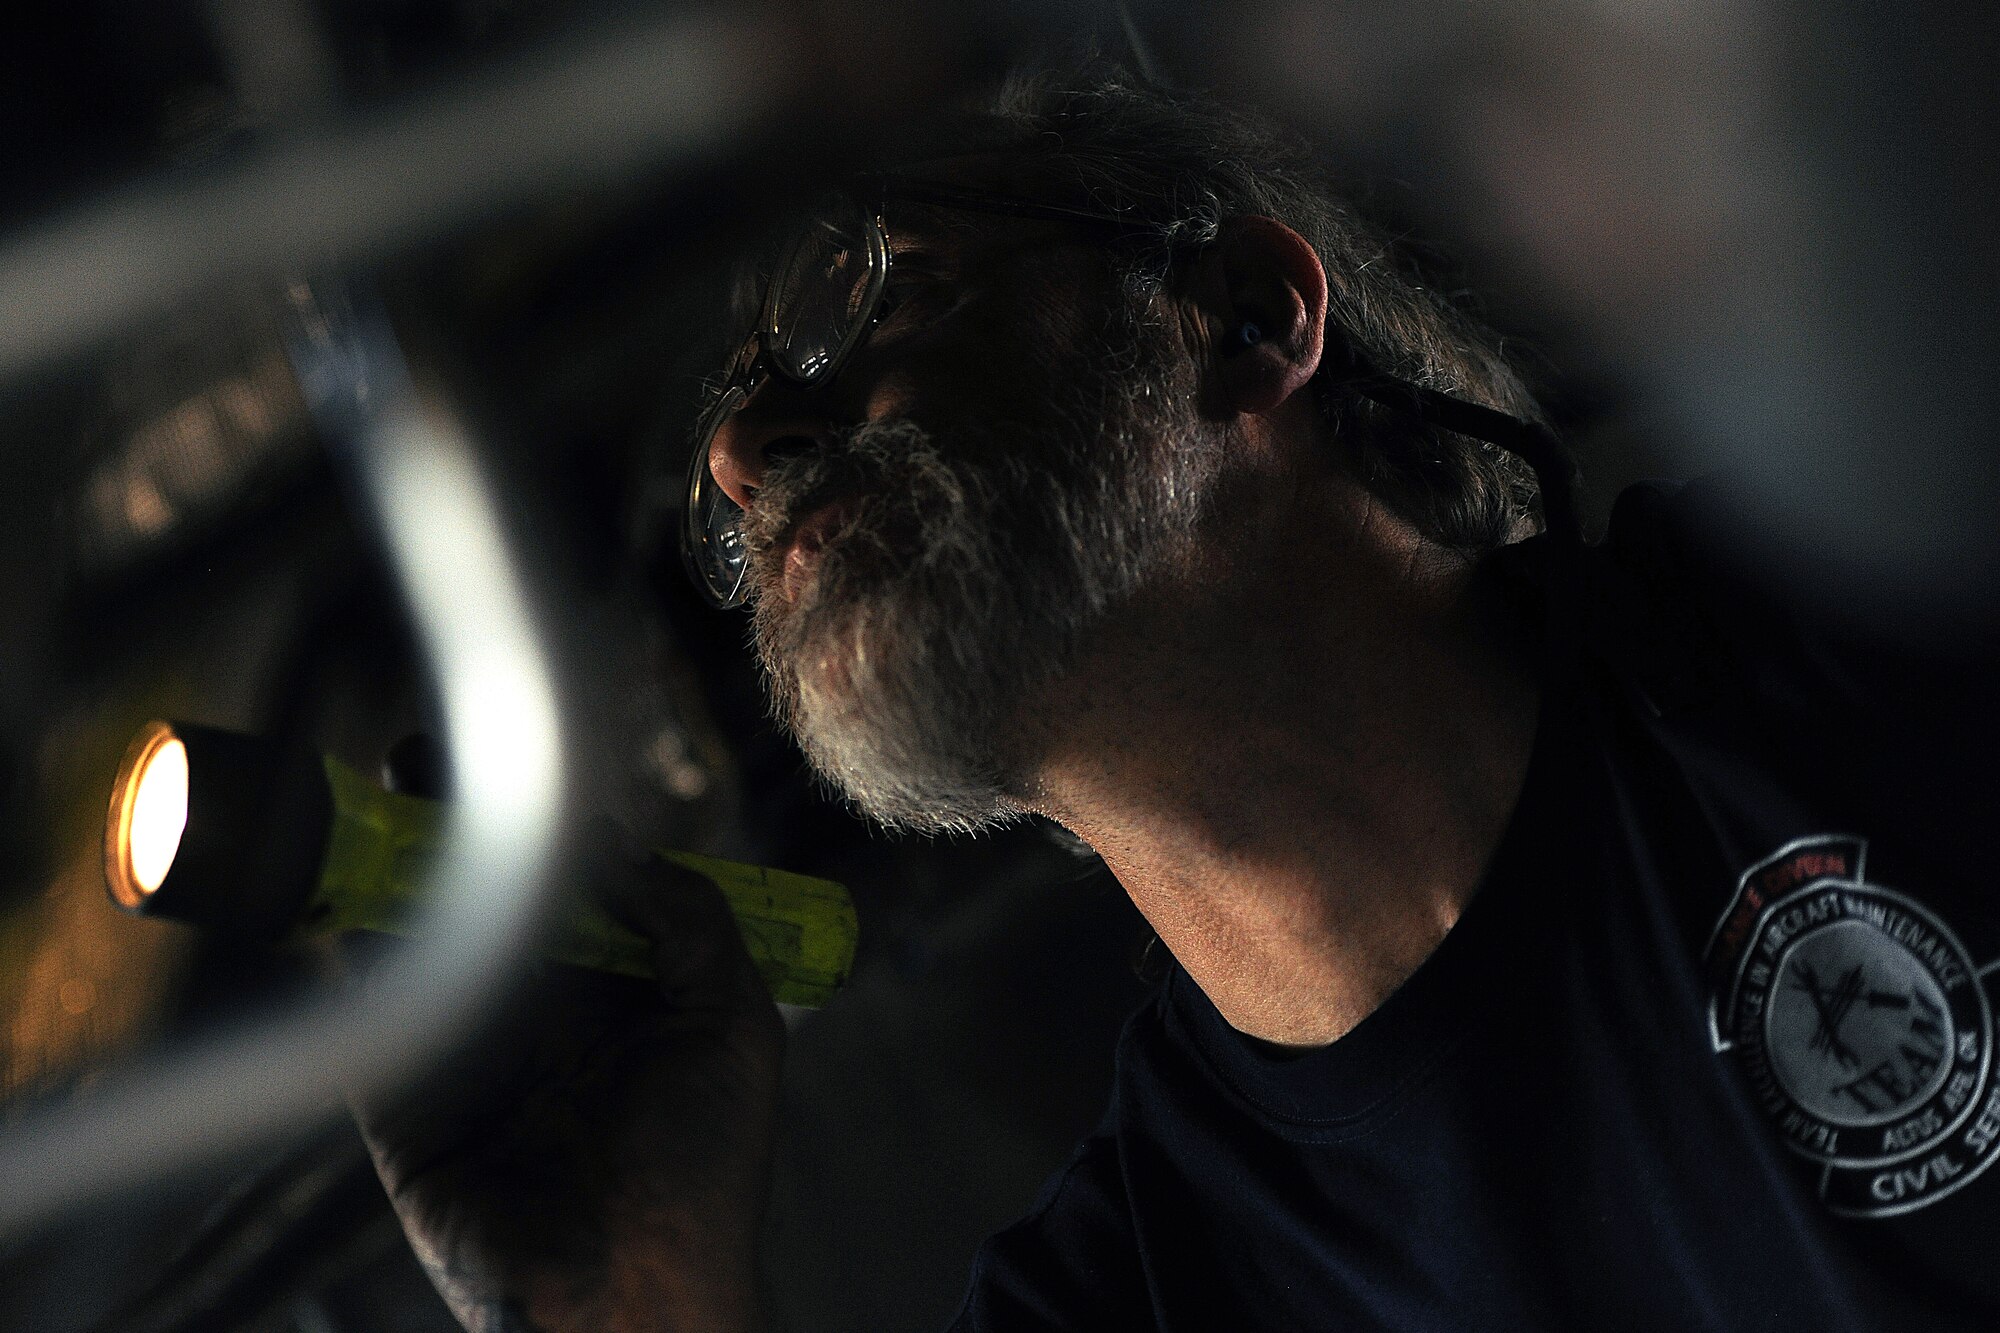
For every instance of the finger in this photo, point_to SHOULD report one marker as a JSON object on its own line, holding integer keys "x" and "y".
{"x": 549, "y": 1021}
{"x": 698, "y": 948}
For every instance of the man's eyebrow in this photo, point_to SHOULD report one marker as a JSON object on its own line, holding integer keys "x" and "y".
{"x": 940, "y": 235}
{"x": 922, "y": 252}
{"x": 923, "y": 244}
{"x": 915, "y": 223}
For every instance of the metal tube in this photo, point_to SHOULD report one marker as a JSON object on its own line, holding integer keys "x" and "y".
{"x": 665, "y": 94}
{"x": 653, "y": 93}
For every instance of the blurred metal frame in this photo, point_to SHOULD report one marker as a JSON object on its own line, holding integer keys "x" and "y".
{"x": 653, "y": 95}
{"x": 441, "y": 528}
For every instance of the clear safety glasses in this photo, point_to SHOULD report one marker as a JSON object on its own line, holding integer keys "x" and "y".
{"x": 824, "y": 298}
{"x": 826, "y": 295}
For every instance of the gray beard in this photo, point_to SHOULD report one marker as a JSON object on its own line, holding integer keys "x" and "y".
{"x": 970, "y": 577}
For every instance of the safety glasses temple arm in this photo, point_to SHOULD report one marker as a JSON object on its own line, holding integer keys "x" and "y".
{"x": 882, "y": 188}
{"x": 1534, "y": 443}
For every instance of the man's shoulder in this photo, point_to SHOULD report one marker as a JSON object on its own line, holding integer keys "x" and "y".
{"x": 1071, "y": 1262}
{"x": 1686, "y": 614}
{"x": 1699, "y": 557}
{"x": 1675, "y": 542}
{"x": 1663, "y": 603}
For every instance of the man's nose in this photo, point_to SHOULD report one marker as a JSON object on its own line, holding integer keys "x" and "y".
{"x": 779, "y": 419}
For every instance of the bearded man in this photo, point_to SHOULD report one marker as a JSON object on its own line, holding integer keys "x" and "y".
{"x": 1562, "y": 936}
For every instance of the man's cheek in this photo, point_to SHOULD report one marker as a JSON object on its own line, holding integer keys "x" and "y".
{"x": 889, "y": 398}
{"x": 979, "y": 366}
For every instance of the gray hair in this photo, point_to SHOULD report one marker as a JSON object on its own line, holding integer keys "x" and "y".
{"x": 1180, "y": 165}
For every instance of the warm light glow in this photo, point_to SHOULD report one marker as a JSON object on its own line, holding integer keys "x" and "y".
{"x": 159, "y": 815}
{"x": 148, "y": 816}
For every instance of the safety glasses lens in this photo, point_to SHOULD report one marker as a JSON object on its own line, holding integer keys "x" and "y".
{"x": 818, "y": 307}
{"x": 822, "y": 291}
{"x": 712, "y": 524}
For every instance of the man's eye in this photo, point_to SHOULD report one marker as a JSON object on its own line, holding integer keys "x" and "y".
{"x": 916, "y": 280}
{"x": 902, "y": 288}
{"x": 895, "y": 297}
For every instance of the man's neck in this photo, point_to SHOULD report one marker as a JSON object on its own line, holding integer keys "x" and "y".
{"x": 1301, "y": 793}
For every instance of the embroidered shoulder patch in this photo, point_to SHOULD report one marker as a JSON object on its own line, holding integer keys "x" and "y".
{"x": 1861, "y": 1024}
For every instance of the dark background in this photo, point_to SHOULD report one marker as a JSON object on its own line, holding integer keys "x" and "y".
{"x": 1732, "y": 235}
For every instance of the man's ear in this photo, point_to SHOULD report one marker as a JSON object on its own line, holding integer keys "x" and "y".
{"x": 1258, "y": 304}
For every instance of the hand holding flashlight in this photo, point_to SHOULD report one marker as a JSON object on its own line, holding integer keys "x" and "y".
{"x": 599, "y": 1157}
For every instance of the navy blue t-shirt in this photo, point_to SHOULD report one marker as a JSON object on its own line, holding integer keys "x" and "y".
{"x": 1713, "y": 1046}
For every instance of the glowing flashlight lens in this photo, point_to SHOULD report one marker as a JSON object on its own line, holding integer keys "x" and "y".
{"x": 159, "y": 815}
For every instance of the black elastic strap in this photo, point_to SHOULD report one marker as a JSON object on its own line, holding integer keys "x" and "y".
{"x": 1533, "y": 443}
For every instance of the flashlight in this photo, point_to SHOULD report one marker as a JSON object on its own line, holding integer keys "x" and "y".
{"x": 261, "y": 840}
